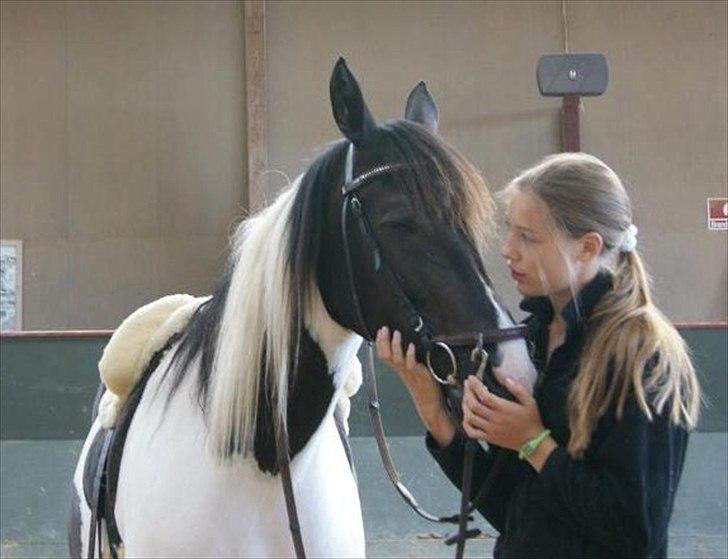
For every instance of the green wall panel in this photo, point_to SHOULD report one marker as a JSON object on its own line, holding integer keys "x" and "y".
{"x": 47, "y": 388}
{"x": 709, "y": 348}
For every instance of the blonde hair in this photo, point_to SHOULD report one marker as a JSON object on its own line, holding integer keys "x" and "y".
{"x": 631, "y": 347}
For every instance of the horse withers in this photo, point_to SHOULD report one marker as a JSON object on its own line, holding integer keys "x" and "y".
{"x": 276, "y": 343}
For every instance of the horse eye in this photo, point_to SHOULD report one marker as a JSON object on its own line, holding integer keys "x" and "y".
{"x": 404, "y": 225}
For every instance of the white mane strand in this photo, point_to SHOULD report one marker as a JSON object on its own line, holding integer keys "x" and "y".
{"x": 256, "y": 325}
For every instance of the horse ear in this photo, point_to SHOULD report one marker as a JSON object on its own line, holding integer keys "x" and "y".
{"x": 421, "y": 108}
{"x": 347, "y": 103}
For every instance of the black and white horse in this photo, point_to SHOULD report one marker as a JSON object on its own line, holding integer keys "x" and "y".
{"x": 277, "y": 339}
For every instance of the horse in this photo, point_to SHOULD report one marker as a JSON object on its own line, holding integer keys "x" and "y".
{"x": 275, "y": 346}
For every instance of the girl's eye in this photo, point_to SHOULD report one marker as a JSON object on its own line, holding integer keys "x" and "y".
{"x": 528, "y": 238}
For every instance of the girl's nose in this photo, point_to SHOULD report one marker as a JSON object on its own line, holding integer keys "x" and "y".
{"x": 507, "y": 251}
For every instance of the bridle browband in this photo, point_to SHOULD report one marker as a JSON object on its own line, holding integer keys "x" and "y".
{"x": 478, "y": 357}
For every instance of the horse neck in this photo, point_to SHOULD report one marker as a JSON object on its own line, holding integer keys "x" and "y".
{"x": 325, "y": 353}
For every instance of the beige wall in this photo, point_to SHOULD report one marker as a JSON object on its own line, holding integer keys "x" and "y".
{"x": 123, "y": 141}
{"x": 122, "y": 151}
{"x": 661, "y": 123}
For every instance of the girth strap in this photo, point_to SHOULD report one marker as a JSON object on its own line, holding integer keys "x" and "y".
{"x": 97, "y": 497}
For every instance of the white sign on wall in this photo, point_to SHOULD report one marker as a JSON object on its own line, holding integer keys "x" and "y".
{"x": 11, "y": 285}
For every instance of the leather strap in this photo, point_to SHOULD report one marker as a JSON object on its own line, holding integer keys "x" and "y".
{"x": 284, "y": 462}
{"x": 490, "y": 336}
{"x": 463, "y": 533}
{"x": 476, "y": 339}
{"x": 96, "y": 512}
{"x": 353, "y": 185}
{"x": 380, "y": 437}
{"x": 350, "y": 273}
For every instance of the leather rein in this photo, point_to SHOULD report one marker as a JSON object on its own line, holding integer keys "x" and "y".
{"x": 478, "y": 363}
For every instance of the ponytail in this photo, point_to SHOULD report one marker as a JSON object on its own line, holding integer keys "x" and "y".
{"x": 631, "y": 349}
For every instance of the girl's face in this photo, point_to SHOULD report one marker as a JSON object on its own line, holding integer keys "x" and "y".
{"x": 539, "y": 255}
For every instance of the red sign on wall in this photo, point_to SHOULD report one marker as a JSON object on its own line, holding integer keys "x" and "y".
{"x": 718, "y": 214}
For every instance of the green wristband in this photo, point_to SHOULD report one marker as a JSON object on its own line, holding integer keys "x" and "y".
{"x": 531, "y": 445}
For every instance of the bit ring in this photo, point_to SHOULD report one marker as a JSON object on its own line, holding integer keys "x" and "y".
{"x": 453, "y": 375}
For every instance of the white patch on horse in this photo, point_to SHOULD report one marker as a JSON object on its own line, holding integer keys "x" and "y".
{"x": 202, "y": 507}
{"x": 516, "y": 362}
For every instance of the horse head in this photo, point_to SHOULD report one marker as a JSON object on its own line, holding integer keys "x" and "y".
{"x": 402, "y": 224}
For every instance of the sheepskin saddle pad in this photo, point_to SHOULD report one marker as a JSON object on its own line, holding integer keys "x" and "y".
{"x": 133, "y": 345}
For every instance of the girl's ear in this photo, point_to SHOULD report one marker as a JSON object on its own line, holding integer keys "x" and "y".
{"x": 591, "y": 246}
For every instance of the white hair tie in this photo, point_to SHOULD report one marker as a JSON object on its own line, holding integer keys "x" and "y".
{"x": 629, "y": 240}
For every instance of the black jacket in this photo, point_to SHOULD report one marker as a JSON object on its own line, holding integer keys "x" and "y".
{"x": 616, "y": 502}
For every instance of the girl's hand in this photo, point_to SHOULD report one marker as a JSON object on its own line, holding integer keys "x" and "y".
{"x": 496, "y": 420}
{"x": 423, "y": 389}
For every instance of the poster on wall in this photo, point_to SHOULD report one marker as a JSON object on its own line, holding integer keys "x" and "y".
{"x": 11, "y": 285}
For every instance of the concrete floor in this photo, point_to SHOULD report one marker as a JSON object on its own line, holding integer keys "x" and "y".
{"x": 34, "y": 477}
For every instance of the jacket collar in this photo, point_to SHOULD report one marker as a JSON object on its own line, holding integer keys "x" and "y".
{"x": 578, "y": 309}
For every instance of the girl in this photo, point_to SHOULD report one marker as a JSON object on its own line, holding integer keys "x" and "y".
{"x": 594, "y": 456}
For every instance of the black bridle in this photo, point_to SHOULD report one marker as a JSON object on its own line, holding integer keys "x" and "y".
{"x": 349, "y": 191}
{"x": 479, "y": 360}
